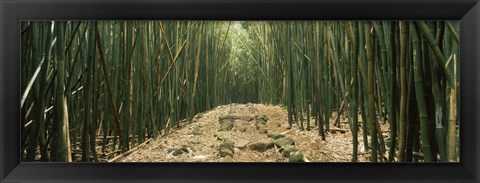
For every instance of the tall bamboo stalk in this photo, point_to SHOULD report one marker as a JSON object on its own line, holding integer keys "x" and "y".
{"x": 403, "y": 92}
{"x": 371, "y": 97}
{"x": 59, "y": 149}
{"x": 420, "y": 95}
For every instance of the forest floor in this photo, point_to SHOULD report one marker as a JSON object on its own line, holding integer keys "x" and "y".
{"x": 202, "y": 141}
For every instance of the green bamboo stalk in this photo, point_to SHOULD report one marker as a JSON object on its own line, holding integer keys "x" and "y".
{"x": 59, "y": 149}
{"x": 438, "y": 100}
{"x": 87, "y": 94}
{"x": 355, "y": 57}
{"x": 361, "y": 85}
{"x": 436, "y": 50}
{"x": 371, "y": 100}
{"x": 391, "y": 55}
{"x": 107, "y": 81}
{"x": 420, "y": 95}
{"x": 403, "y": 92}
{"x": 34, "y": 129}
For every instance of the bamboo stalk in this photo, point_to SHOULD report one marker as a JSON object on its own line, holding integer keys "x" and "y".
{"x": 403, "y": 92}
{"x": 436, "y": 50}
{"x": 452, "y": 129}
{"x": 371, "y": 100}
{"x": 420, "y": 95}
{"x": 105, "y": 75}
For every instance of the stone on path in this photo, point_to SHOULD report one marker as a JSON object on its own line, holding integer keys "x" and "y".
{"x": 222, "y": 135}
{"x": 288, "y": 150}
{"x": 262, "y": 119}
{"x": 241, "y": 143}
{"x": 226, "y": 124}
{"x": 226, "y": 148}
{"x": 261, "y": 145}
{"x": 225, "y": 152}
{"x": 180, "y": 151}
{"x": 285, "y": 141}
{"x": 176, "y": 152}
{"x": 228, "y": 116}
{"x": 297, "y": 157}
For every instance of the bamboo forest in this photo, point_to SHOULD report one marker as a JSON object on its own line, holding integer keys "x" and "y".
{"x": 240, "y": 91}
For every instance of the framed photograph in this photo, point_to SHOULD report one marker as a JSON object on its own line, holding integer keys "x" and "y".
{"x": 239, "y": 91}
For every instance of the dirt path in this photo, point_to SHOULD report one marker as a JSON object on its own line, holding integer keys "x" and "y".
{"x": 198, "y": 141}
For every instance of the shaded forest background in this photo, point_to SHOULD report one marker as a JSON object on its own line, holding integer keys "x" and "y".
{"x": 97, "y": 88}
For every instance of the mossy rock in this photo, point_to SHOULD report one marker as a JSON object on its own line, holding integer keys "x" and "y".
{"x": 285, "y": 141}
{"x": 222, "y": 135}
{"x": 226, "y": 148}
{"x": 226, "y": 124}
{"x": 296, "y": 157}
{"x": 261, "y": 145}
{"x": 261, "y": 121}
{"x": 228, "y": 144}
{"x": 288, "y": 150}
{"x": 176, "y": 152}
{"x": 225, "y": 152}
{"x": 228, "y": 116}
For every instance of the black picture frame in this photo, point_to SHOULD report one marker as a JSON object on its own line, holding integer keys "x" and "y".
{"x": 14, "y": 11}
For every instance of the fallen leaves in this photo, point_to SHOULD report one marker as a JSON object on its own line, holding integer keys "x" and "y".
{"x": 204, "y": 146}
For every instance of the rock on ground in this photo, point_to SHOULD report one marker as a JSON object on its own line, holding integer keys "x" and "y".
{"x": 285, "y": 141}
{"x": 241, "y": 143}
{"x": 288, "y": 150}
{"x": 228, "y": 116}
{"x": 297, "y": 157}
{"x": 261, "y": 145}
{"x": 226, "y": 124}
{"x": 226, "y": 148}
{"x": 225, "y": 152}
{"x": 176, "y": 152}
{"x": 222, "y": 135}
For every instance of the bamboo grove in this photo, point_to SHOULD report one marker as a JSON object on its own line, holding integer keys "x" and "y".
{"x": 93, "y": 86}
{"x": 125, "y": 81}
